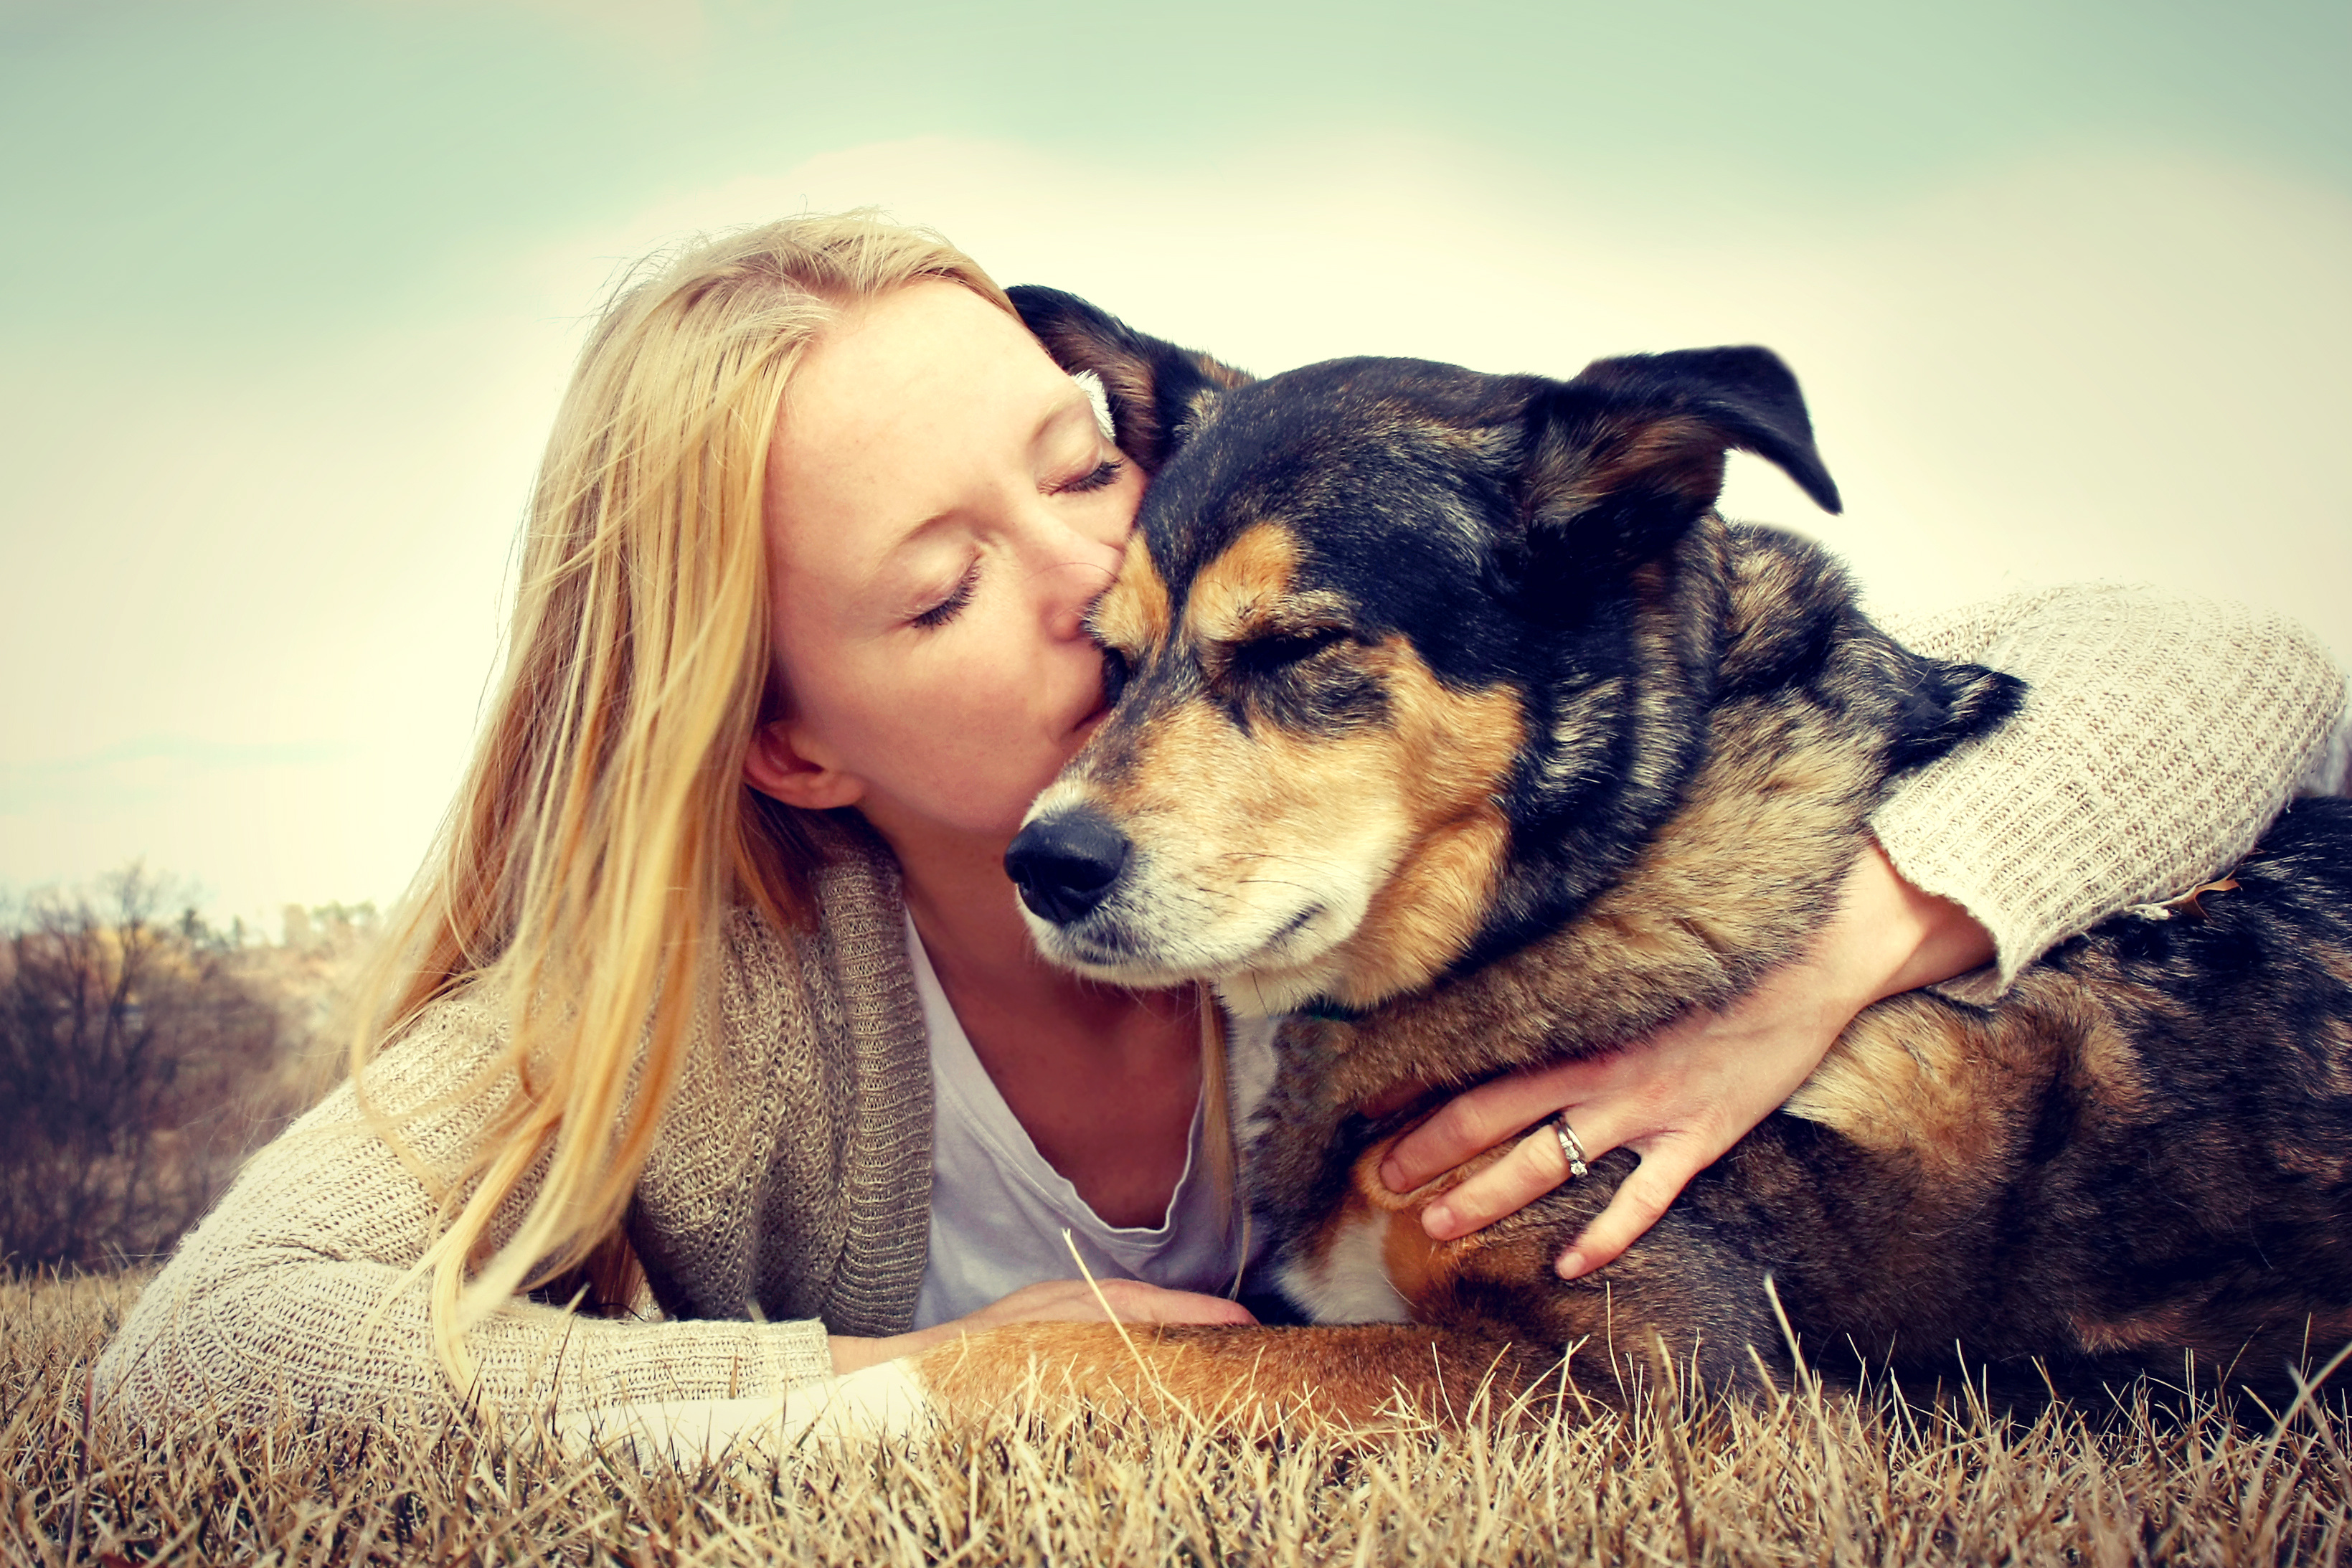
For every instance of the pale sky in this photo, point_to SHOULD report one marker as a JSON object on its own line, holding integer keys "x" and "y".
{"x": 290, "y": 288}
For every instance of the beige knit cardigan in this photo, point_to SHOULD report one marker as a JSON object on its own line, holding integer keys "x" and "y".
{"x": 787, "y": 1191}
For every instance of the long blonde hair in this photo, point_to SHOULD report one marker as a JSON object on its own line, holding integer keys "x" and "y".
{"x": 604, "y": 829}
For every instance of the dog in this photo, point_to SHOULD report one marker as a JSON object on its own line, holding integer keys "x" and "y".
{"x": 1451, "y": 722}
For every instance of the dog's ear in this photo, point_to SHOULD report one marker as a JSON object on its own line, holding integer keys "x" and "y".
{"x": 1158, "y": 392}
{"x": 1622, "y": 460}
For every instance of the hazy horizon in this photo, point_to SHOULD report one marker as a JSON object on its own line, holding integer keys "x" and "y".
{"x": 294, "y": 287}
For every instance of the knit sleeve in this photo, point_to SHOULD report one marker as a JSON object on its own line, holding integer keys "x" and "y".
{"x": 296, "y": 1293}
{"x": 2160, "y": 736}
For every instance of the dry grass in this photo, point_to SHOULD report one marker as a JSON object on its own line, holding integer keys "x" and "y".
{"x": 1815, "y": 1478}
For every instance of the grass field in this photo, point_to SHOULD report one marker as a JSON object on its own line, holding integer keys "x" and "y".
{"x": 1815, "y": 1477}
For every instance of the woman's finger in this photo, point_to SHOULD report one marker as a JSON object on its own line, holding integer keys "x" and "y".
{"x": 1666, "y": 1169}
{"x": 1185, "y": 1307}
{"x": 1536, "y": 1164}
{"x": 1476, "y": 1120}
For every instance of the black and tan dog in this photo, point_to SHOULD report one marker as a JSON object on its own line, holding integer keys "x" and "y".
{"x": 1458, "y": 725}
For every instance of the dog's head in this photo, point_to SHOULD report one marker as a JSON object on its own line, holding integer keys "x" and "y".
{"x": 1383, "y": 625}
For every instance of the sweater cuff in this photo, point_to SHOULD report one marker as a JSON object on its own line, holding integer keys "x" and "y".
{"x": 2016, "y": 943}
{"x": 803, "y": 1352}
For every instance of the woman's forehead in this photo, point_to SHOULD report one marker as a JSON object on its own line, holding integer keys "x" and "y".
{"x": 907, "y": 406}
{"x": 927, "y": 362}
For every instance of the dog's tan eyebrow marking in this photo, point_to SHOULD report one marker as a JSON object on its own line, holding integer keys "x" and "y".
{"x": 1242, "y": 589}
{"x": 1133, "y": 615}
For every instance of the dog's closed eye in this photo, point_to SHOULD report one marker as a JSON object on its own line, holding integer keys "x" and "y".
{"x": 1115, "y": 674}
{"x": 1267, "y": 655}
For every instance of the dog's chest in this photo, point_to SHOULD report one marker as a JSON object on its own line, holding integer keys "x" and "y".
{"x": 1366, "y": 1259}
{"x": 1340, "y": 1275}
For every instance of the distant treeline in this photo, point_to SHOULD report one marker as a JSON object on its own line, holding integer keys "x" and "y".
{"x": 143, "y": 1053}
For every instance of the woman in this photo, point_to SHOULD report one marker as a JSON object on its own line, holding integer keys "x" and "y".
{"x": 716, "y": 950}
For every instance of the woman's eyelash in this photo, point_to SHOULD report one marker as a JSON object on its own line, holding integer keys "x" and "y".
{"x": 943, "y": 612}
{"x": 1095, "y": 479}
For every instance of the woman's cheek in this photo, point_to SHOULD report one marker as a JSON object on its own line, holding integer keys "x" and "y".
{"x": 979, "y": 712}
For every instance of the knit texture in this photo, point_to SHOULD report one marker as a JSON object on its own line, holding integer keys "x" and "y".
{"x": 2160, "y": 735}
{"x": 789, "y": 1186}
{"x": 790, "y": 1183}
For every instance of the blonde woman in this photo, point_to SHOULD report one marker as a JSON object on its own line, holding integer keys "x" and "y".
{"x": 713, "y": 1008}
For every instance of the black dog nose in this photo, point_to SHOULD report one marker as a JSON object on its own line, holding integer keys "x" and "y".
{"x": 1064, "y": 865}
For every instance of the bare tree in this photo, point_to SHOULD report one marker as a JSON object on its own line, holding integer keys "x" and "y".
{"x": 131, "y": 1052}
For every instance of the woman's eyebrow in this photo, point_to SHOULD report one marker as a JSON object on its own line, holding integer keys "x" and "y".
{"x": 1077, "y": 408}
{"x": 889, "y": 563}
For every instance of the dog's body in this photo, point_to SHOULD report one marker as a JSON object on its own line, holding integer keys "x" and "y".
{"x": 1456, "y": 725}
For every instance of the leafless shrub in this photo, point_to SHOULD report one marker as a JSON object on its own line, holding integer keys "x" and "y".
{"x": 135, "y": 1059}
{"x": 1814, "y": 1476}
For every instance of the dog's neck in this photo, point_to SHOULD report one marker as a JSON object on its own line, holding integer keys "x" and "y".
{"x": 1736, "y": 879}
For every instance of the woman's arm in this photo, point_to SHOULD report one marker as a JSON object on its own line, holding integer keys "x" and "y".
{"x": 295, "y": 1292}
{"x": 2160, "y": 736}
{"x": 1681, "y": 1095}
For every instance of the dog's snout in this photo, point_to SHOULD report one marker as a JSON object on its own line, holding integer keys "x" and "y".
{"x": 1064, "y": 864}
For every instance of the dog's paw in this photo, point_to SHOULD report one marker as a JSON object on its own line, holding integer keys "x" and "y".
{"x": 880, "y": 1403}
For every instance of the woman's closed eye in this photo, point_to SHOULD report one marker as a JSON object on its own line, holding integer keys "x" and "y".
{"x": 947, "y": 609}
{"x": 1100, "y": 477}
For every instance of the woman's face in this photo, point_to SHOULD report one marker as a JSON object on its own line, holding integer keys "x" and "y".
{"x": 942, "y": 510}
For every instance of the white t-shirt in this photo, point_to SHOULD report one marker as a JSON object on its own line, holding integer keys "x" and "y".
{"x": 998, "y": 1209}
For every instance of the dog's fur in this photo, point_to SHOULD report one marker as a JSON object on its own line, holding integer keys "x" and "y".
{"x": 1458, "y": 725}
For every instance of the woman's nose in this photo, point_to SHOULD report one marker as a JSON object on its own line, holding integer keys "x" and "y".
{"x": 1074, "y": 582}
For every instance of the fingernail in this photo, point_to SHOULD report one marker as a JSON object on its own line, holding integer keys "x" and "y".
{"x": 1392, "y": 1175}
{"x": 1570, "y": 1264}
{"x": 1436, "y": 1220}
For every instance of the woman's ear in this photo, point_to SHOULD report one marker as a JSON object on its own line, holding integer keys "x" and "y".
{"x": 776, "y": 768}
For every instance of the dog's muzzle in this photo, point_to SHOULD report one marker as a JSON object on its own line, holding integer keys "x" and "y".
{"x": 1066, "y": 864}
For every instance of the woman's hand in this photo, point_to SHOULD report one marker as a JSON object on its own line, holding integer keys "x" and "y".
{"x": 1050, "y": 1302}
{"x": 1687, "y": 1092}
